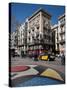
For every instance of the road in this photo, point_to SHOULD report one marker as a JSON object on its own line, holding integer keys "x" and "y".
{"x": 56, "y": 64}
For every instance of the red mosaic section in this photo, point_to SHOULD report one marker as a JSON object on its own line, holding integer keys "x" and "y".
{"x": 19, "y": 68}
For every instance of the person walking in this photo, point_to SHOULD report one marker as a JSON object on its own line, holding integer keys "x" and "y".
{"x": 62, "y": 59}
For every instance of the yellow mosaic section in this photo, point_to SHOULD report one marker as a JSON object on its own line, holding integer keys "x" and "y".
{"x": 51, "y": 73}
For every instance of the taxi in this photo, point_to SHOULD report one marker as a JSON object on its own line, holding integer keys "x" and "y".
{"x": 43, "y": 57}
{"x": 46, "y": 57}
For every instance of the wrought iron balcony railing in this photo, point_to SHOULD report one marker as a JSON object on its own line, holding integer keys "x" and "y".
{"x": 62, "y": 23}
{"x": 62, "y": 32}
{"x": 62, "y": 41}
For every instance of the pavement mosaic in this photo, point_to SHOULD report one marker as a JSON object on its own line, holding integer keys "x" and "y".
{"x": 34, "y": 75}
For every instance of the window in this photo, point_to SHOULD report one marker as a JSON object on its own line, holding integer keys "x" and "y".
{"x": 33, "y": 37}
{"x": 45, "y": 36}
{"x": 29, "y": 31}
{"x": 29, "y": 38}
{"x": 37, "y": 27}
{"x": 62, "y": 20}
{"x": 33, "y": 30}
{"x": 44, "y": 28}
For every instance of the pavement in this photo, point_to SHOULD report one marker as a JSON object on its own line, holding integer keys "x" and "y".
{"x": 27, "y": 72}
{"x": 28, "y": 61}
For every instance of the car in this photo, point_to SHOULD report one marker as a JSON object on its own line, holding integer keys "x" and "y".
{"x": 51, "y": 57}
{"x": 57, "y": 55}
{"x": 46, "y": 57}
{"x": 43, "y": 57}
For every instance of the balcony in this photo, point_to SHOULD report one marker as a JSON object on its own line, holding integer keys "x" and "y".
{"x": 48, "y": 33}
{"x": 47, "y": 26}
{"x": 30, "y": 43}
{"x": 62, "y": 23}
{"x": 47, "y": 42}
{"x": 62, "y": 32}
{"x": 57, "y": 42}
{"x": 62, "y": 41}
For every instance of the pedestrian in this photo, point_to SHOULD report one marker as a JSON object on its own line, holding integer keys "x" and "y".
{"x": 62, "y": 59}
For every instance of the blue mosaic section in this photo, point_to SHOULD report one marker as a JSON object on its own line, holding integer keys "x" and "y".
{"x": 39, "y": 81}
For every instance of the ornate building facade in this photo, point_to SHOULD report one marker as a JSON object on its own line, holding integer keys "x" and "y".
{"x": 22, "y": 37}
{"x": 61, "y": 31}
{"x": 39, "y": 35}
{"x": 36, "y": 35}
{"x": 13, "y": 34}
{"x": 55, "y": 38}
{"x": 59, "y": 34}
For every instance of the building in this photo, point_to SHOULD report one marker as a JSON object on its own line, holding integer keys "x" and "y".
{"x": 36, "y": 35}
{"x": 59, "y": 35}
{"x": 22, "y": 38}
{"x": 55, "y": 38}
{"x": 13, "y": 43}
{"x": 61, "y": 31}
{"x": 39, "y": 34}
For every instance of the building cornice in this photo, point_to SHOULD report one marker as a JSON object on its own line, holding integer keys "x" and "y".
{"x": 39, "y": 10}
{"x": 54, "y": 26}
{"x": 61, "y": 16}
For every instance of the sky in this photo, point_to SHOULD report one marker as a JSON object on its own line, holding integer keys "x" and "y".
{"x": 22, "y": 10}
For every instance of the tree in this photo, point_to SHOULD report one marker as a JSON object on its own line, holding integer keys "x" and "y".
{"x": 14, "y": 28}
{"x": 14, "y": 23}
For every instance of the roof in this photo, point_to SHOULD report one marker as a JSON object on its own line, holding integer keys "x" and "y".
{"x": 61, "y": 16}
{"x": 39, "y": 10}
{"x": 54, "y": 26}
